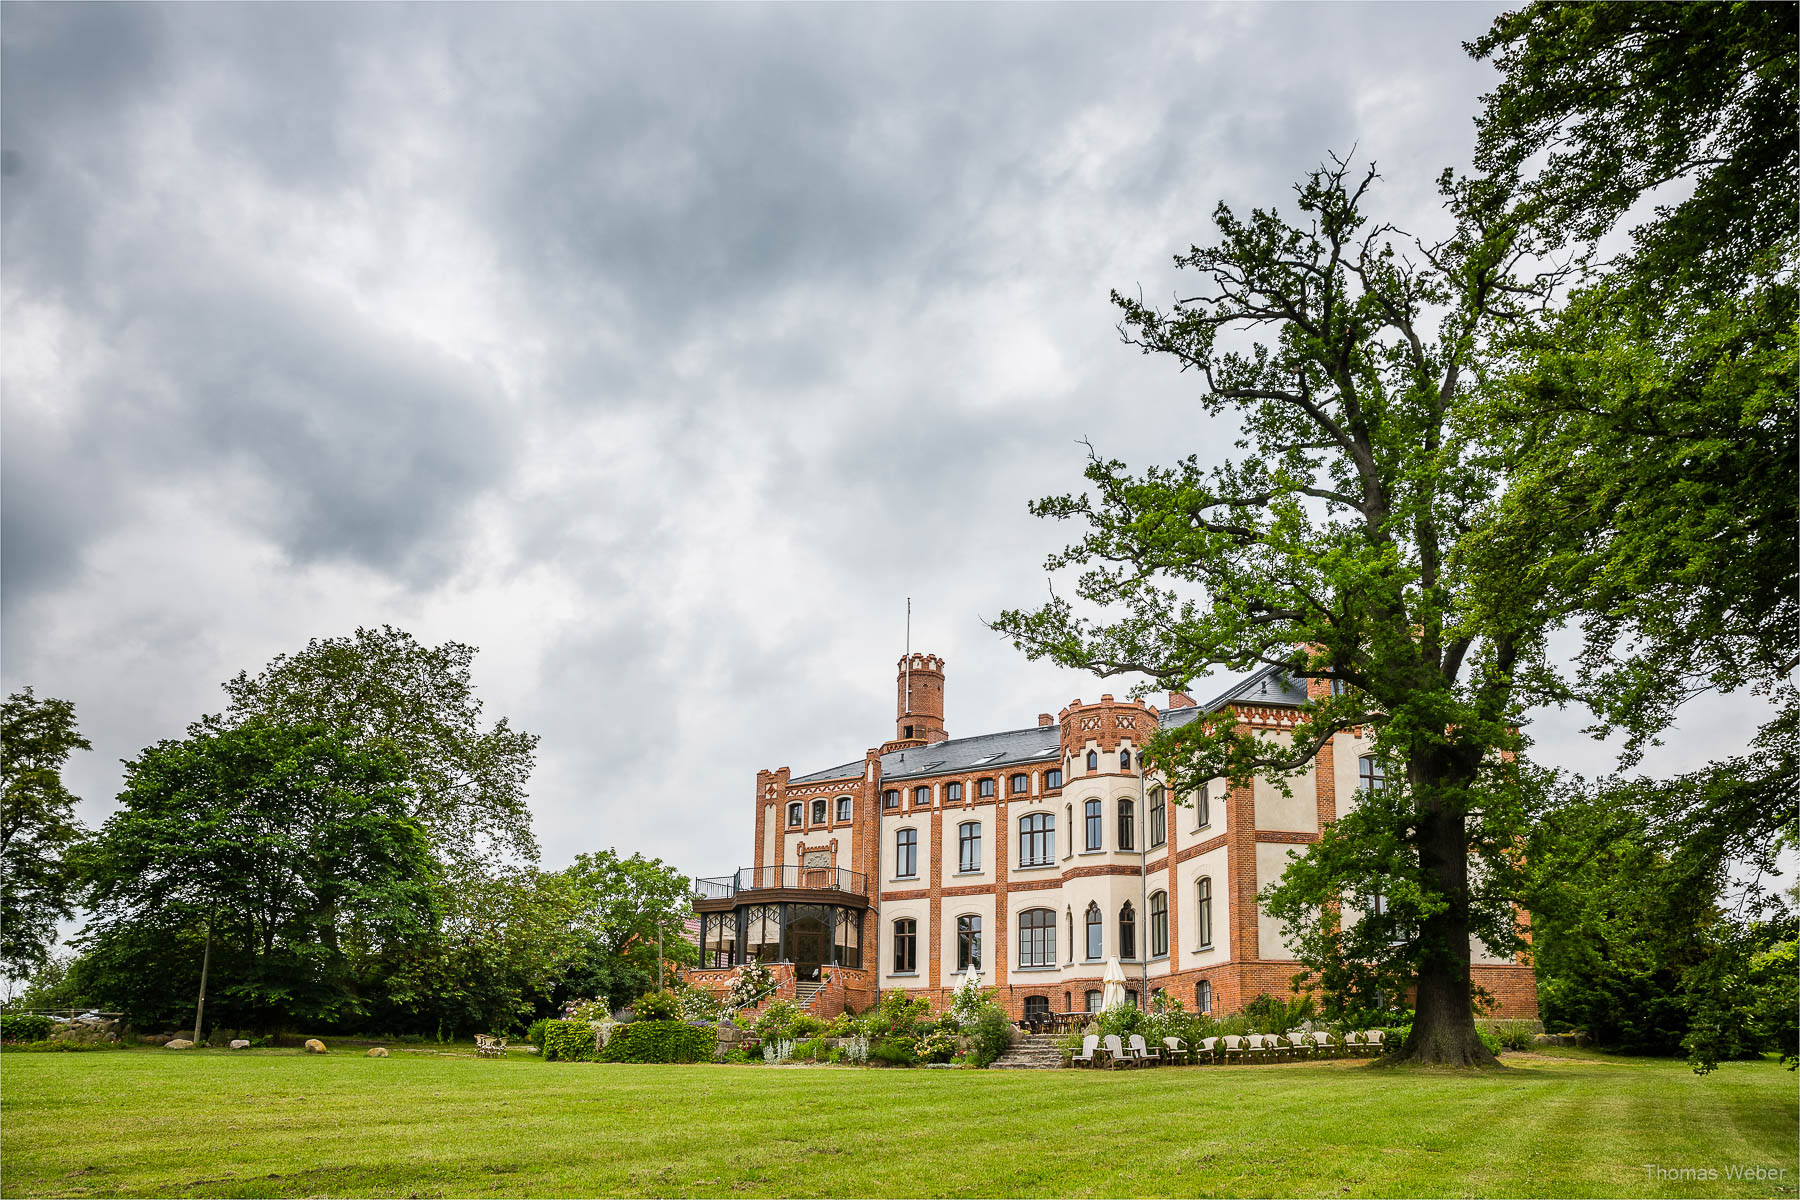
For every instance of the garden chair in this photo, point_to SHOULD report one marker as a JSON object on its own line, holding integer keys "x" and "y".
{"x": 1375, "y": 1037}
{"x": 1256, "y": 1051}
{"x": 1299, "y": 1045}
{"x": 1116, "y": 1053}
{"x": 1208, "y": 1050}
{"x": 1234, "y": 1047}
{"x": 1353, "y": 1042}
{"x": 1323, "y": 1046}
{"x": 1089, "y": 1044}
{"x": 1143, "y": 1053}
{"x": 487, "y": 1046}
{"x": 1177, "y": 1049}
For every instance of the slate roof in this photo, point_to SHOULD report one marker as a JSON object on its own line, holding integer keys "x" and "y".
{"x": 1271, "y": 685}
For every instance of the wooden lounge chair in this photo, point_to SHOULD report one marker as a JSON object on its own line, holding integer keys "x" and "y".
{"x": 1143, "y": 1053}
{"x": 487, "y": 1046}
{"x": 1235, "y": 1048}
{"x": 1116, "y": 1053}
{"x": 1089, "y": 1044}
{"x": 1208, "y": 1050}
{"x": 1177, "y": 1050}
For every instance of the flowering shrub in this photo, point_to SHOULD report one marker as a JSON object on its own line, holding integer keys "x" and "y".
{"x": 654, "y": 1006}
{"x": 695, "y": 1004}
{"x": 937, "y": 1046}
{"x": 753, "y": 979}
{"x": 592, "y": 1011}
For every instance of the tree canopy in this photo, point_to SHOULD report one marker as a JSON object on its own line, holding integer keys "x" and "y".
{"x": 38, "y": 828}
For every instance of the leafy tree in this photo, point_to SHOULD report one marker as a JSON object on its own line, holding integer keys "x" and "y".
{"x": 468, "y": 782}
{"x": 289, "y": 843}
{"x": 1335, "y": 549}
{"x": 37, "y": 827}
{"x": 620, "y": 905}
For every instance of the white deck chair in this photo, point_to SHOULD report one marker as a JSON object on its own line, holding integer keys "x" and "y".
{"x": 1116, "y": 1053}
{"x": 1086, "y": 1058}
{"x": 1143, "y": 1053}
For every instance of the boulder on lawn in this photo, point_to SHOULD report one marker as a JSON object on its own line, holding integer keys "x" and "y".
{"x": 315, "y": 1046}
{"x": 377, "y": 1052}
{"x": 178, "y": 1044}
{"x": 240, "y": 1043}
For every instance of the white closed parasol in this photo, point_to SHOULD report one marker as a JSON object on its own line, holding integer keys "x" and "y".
{"x": 1112, "y": 984}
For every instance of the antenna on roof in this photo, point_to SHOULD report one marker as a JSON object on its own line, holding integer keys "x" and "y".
{"x": 909, "y": 655}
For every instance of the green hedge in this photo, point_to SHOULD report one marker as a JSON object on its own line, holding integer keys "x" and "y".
{"x": 661, "y": 1042}
{"x": 24, "y": 1027}
{"x": 568, "y": 1041}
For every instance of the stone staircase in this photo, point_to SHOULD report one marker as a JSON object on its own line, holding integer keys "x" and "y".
{"x": 806, "y": 993}
{"x": 1032, "y": 1052}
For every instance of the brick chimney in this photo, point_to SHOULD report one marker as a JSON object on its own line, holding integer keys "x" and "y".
{"x": 1180, "y": 700}
{"x": 1045, "y": 719}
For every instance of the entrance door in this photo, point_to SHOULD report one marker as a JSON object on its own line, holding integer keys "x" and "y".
{"x": 809, "y": 940}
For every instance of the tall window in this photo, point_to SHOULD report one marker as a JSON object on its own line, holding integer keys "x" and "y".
{"x": 1159, "y": 924}
{"x": 1203, "y": 911}
{"x": 1203, "y": 806}
{"x": 1371, "y": 775}
{"x": 1093, "y": 760}
{"x": 843, "y": 808}
{"x": 1159, "y": 818}
{"x": 1127, "y": 931}
{"x": 1096, "y": 932}
{"x": 1037, "y": 938}
{"x": 1053, "y": 777}
{"x": 968, "y": 943}
{"x": 1037, "y": 839}
{"x": 1339, "y": 687}
{"x": 1203, "y": 996}
{"x": 796, "y": 813}
{"x": 1094, "y": 823}
{"x": 1127, "y": 825}
{"x": 1125, "y": 760}
{"x": 1092, "y": 1001}
{"x": 984, "y": 788}
{"x": 819, "y": 811}
{"x": 1021, "y": 784}
{"x": 906, "y": 946}
{"x": 890, "y": 798}
{"x": 1037, "y": 1006}
{"x": 922, "y": 797}
{"x": 906, "y": 852}
{"x": 968, "y": 844}
{"x": 952, "y": 792}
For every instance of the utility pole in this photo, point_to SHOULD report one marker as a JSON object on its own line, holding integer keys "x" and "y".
{"x": 205, "y": 962}
{"x": 659, "y": 960}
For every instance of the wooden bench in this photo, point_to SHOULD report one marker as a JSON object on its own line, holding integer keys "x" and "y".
{"x": 486, "y": 1045}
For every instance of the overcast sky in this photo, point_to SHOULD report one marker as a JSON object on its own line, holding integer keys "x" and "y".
{"x": 660, "y": 352}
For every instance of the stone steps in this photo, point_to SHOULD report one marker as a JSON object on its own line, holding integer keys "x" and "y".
{"x": 1034, "y": 1052}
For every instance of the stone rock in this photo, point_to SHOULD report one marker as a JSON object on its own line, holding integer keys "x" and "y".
{"x": 240, "y": 1043}
{"x": 315, "y": 1046}
{"x": 178, "y": 1044}
{"x": 377, "y": 1052}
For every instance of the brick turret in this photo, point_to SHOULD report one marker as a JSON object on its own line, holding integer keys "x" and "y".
{"x": 919, "y": 700}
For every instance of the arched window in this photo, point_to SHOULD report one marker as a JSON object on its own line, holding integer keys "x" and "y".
{"x": 1158, "y": 813}
{"x": 1203, "y": 806}
{"x": 1203, "y": 996}
{"x": 922, "y": 797}
{"x": 1127, "y": 931}
{"x": 1125, "y": 759}
{"x": 1159, "y": 924}
{"x": 906, "y": 853}
{"x": 1037, "y": 938}
{"x": 1021, "y": 783}
{"x": 984, "y": 788}
{"x": 796, "y": 813}
{"x": 952, "y": 793}
{"x": 906, "y": 946}
{"x": 1371, "y": 775}
{"x": 968, "y": 846}
{"x": 1093, "y": 823}
{"x": 819, "y": 809}
{"x": 844, "y": 808}
{"x": 968, "y": 943}
{"x": 1092, "y": 1000}
{"x": 1069, "y": 920}
{"x": 890, "y": 798}
{"x": 1127, "y": 825}
{"x": 1053, "y": 777}
{"x": 1093, "y": 760}
{"x": 1096, "y": 927}
{"x": 1203, "y": 911}
{"x": 1037, "y": 839}
{"x": 1037, "y": 1006}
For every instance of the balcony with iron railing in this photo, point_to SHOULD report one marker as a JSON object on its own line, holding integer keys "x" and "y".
{"x": 788, "y": 877}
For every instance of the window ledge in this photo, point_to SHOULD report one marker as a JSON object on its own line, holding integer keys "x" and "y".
{"x": 1156, "y": 958}
{"x": 1051, "y": 967}
{"x": 1035, "y": 867}
{"x": 1206, "y": 949}
{"x": 1087, "y": 853}
{"x": 976, "y": 871}
{"x": 904, "y": 879}
{"x": 903, "y": 974}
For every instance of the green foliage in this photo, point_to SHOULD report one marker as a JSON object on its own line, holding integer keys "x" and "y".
{"x": 1272, "y": 1014}
{"x": 569, "y": 1041}
{"x": 990, "y": 1032}
{"x": 900, "y": 1051}
{"x": 1513, "y": 1035}
{"x": 806, "y": 1025}
{"x": 778, "y": 1022}
{"x": 660, "y": 1042}
{"x": 897, "y": 1016}
{"x": 38, "y": 828}
{"x": 939, "y": 1045}
{"x": 25, "y": 1027}
{"x": 620, "y": 905}
{"x": 534, "y": 1033}
{"x": 1121, "y": 1019}
{"x": 293, "y": 844}
{"x": 1742, "y": 995}
{"x": 695, "y": 1004}
{"x": 62, "y": 1046}
{"x": 750, "y": 984}
{"x": 655, "y": 1006}
{"x": 467, "y": 781}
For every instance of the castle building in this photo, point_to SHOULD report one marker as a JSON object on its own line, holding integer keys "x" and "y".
{"x": 1034, "y": 856}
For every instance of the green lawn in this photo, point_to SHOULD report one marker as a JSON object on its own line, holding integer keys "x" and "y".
{"x": 278, "y": 1123}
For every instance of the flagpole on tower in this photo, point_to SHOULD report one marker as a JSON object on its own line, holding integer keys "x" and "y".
{"x": 908, "y": 656}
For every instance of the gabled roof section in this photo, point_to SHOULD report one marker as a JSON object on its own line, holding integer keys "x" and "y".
{"x": 1271, "y": 685}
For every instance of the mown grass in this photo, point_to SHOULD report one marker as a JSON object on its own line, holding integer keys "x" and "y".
{"x": 280, "y": 1123}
